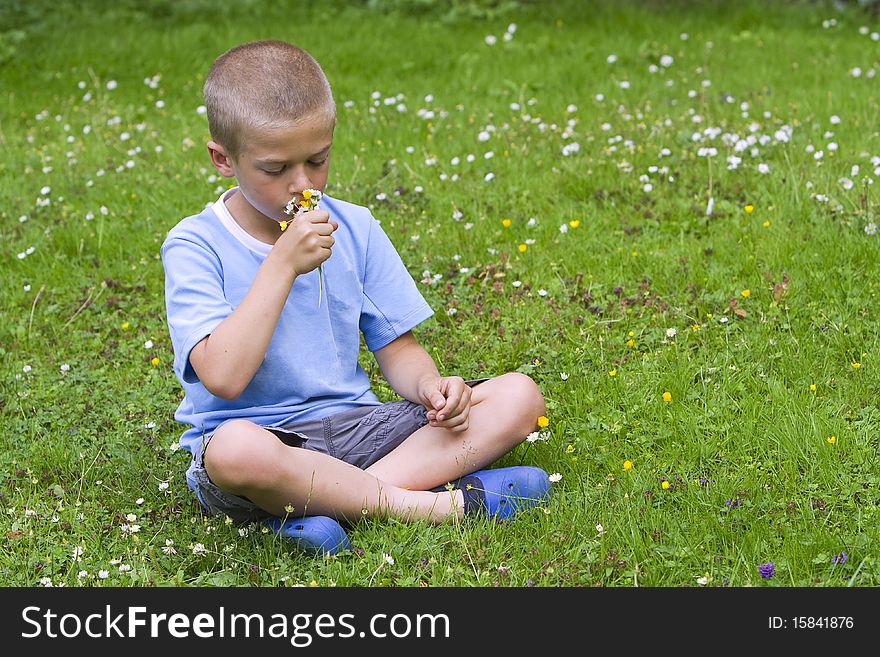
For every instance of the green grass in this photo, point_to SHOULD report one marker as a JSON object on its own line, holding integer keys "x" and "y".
{"x": 87, "y": 431}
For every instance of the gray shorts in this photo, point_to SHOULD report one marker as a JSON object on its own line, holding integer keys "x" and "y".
{"x": 360, "y": 436}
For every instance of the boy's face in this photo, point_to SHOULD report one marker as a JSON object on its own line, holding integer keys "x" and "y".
{"x": 277, "y": 164}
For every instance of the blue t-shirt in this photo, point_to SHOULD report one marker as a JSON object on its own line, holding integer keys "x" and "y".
{"x": 311, "y": 367}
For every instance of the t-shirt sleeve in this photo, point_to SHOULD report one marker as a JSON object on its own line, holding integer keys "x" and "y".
{"x": 392, "y": 303}
{"x": 194, "y": 298}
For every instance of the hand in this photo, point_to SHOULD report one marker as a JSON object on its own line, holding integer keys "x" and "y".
{"x": 448, "y": 400}
{"x": 308, "y": 241}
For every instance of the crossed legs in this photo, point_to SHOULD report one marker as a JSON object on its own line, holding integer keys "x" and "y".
{"x": 246, "y": 460}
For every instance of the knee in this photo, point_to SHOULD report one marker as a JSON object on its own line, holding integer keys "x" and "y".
{"x": 524, "y": 394}
{"x": 238, "y": 455}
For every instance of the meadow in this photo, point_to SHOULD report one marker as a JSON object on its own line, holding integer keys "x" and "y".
{"x": 663, "y": 212}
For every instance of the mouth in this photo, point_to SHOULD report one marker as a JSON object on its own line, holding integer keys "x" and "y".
{"x": 303, "y": 201}
{"x": 292, "y": 205}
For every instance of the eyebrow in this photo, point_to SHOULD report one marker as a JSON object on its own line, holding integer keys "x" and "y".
{"x": 324, "y": 150}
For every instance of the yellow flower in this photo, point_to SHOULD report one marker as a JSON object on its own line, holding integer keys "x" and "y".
{"x": 505, "y": 223}
{"x": 569, "y": 448}
{"x": 766, "y": 224}
{"x": 812, "y": 387}
{"x": 543, "y": 421}
{"x": 856, "y": 365}
{"x": 574, "y": 223}
{"x": 664, "y": 485}
{"x": 627, "y": 465}
{"x": 612, "y": 372}
{"x": 630, "y": 343}
{"x": 522, "y": 248}
{"x": 831, "y": 440}
{"x": 154, "y": 362}
{"x": 667, "y": 396}
{"x": 288, "y": 508}
{"x": 746, "y": 293}
{"x": 695, "y": 327}
{"x": 749, "y": 209}
{"x": 311, "y": 198}
{"x": 124, "y": 326}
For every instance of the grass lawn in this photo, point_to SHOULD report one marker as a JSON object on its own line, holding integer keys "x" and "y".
{"x": 663, "y": 212}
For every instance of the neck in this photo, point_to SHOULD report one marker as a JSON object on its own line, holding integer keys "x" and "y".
{"x": 253, "y": 222}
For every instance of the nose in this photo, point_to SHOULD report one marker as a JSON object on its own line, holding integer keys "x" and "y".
{"x": 298, "y": 180}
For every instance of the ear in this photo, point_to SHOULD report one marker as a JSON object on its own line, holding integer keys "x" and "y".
{"x": 220, "y": 159}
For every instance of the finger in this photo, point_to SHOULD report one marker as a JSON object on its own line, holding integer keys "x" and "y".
{"x": 462, "y": 424}
{"x": 464, "y": 409}
{"x": 317, "y": 216}
{"x": 454, "y": 416}
{"x": 433, "y": 397}
{"x": 457, "y": 423}
{"x": 452, "y": 406}
{"x": 324, "y": 228}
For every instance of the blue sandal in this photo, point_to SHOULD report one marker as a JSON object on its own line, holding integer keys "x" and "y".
{"x": 501, "y": 492}
{"x": 312, "y": 534}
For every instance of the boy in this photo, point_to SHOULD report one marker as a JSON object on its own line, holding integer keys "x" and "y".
{"x": 284, "y": 427}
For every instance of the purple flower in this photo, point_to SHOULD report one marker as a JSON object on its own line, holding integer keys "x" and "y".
{"x": 839, "y": 558}
{"x": 766, "y": 570}
{"x": 732, "y": 504}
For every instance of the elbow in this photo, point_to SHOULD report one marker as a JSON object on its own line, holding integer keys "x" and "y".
{"x": 222, "y": 379}
{"x": 227, "y": 389}
{"x": 228, "y": 393}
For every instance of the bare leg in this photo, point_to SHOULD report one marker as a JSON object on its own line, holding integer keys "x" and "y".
{"x": 246, "y": 460}
{"x": 504, "y": 410}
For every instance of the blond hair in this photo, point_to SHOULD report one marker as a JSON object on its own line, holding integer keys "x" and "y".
{"x": 260, "y": 85}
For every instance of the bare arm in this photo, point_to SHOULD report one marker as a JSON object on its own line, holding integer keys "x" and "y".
{"x": 227, "y": 360}
{"x": 406, "y": 365}
{"x": 411, "y": 372}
